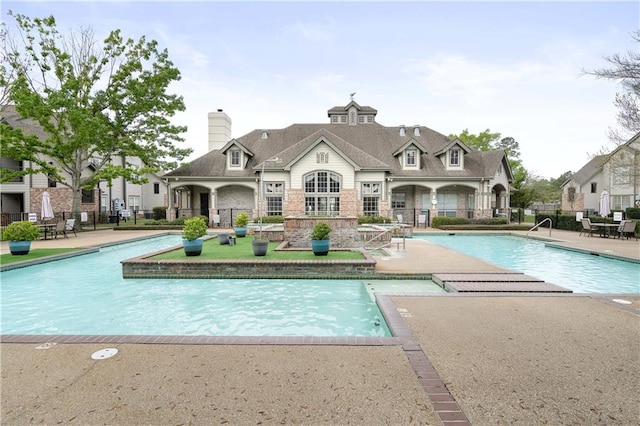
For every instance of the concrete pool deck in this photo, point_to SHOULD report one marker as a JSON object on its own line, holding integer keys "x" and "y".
{"x": 527, "y": 359}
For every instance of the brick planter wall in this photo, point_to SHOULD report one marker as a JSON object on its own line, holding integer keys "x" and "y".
{"x": 297, "y": 231}
{"x": 145, "y": 268}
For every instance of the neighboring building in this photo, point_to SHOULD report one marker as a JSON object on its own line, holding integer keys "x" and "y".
{"x": 24, "y": 195}
{"x": 349, "y": 166}
{"x": 617, "y": 172}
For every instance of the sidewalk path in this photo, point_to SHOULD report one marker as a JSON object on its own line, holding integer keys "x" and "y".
{"x": 531, "y": 359}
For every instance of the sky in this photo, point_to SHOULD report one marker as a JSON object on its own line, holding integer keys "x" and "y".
{"x": 512, "y": 67}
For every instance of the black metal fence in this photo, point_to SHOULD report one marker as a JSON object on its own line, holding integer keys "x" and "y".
{"x": 84, "y": 220}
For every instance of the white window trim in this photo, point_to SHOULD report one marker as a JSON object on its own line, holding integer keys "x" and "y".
{"x": 451, "y": 163}
{"x": 368, "y": 188}
{"x": 416, "y": 158}
{"x": 240, "y": 159}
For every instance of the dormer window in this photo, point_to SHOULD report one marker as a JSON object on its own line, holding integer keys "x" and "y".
{"x": 454, "y": 157}
{"x": 410, "y": 158}
{"x": 235, "y": 158}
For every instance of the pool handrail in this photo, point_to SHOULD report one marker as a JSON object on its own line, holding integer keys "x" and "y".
{"x": 388, "y": 243}
{"x": 540, "y": 223}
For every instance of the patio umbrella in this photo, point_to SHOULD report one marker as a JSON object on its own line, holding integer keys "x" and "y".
{"x": 47, "y": 210}
{"x": 604, "y": 204}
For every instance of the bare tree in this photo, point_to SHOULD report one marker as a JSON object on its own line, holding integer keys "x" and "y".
{"x": 626, "y": 70}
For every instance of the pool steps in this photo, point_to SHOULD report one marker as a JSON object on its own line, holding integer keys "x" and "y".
{"x": 495, "y": 283}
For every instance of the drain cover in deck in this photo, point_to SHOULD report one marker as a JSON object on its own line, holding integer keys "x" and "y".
{"x": 104, "y": 353}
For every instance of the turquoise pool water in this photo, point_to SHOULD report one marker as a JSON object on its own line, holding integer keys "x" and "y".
{"x": 87, "y": 295}
{"x": 580, "y": 272}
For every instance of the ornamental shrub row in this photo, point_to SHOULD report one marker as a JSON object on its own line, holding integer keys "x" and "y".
{"x": 440, "y": 221}
{"x": 372, "y": 219}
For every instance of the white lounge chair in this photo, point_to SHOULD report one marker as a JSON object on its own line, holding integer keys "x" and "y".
{"x": 70, "y": 225}
{"x": 587, "y": 228}
{"x": 627, "y": 229}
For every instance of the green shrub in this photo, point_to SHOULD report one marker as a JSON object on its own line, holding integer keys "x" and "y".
{"x": 633, "y": 213}
{"x": 241, "y": 220}
{"x": 159, "y": 213}
{"x": 321, "y": 231}
{"x": 270, "y": 219}
{"x": 178, "y": 221}
{"x": 439, "y": 221}
{"x": 155, "y": 222}
{"x": 362, "y": 219}
{"x": 21, "y": 231}
{"x": 489, "y": 221}
{"x": 194, "y": 228}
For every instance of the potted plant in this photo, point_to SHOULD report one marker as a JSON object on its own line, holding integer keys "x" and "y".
{"x": 194, "y": 228}
{"x": 240, "y": 224}
{"x": 320, "y": 238}
{"x": 20, "y": 234}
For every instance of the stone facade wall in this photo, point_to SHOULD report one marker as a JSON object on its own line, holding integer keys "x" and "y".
{"x": 294, "y": 203}
{"x": 349, "y": 205}
{"x": 297, "y": 231}
{"x": 575, "y": 205}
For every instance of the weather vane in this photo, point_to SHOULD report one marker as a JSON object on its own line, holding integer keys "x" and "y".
{"x": 352, "y": 95}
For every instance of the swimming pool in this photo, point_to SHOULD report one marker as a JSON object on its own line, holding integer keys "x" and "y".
{"x": 580, "y": 272}
{"x": 87, "y": 295}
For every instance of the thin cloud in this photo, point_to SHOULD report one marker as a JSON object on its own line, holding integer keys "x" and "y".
{"x": 317, "y": 32}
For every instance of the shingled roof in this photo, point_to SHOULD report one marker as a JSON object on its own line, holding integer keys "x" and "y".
{"x": 367, "y": 146}
{"x": 29, "y": 126}
{"x": 589, "y": 170}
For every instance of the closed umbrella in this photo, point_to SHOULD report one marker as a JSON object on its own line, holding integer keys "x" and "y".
{"x": 604, "y": 204}
{"x": 47, "y": 210}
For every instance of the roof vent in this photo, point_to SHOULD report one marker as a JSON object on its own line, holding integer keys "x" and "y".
{"x": 265, "y": 135}
{"x": 402, "y": 130}
{"x": 219, "y": 109}
{"x": 416, "y": 130}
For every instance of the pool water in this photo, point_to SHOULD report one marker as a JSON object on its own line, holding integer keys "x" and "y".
{"x": 87, "y": 295}
{"x": 580, "y": 272}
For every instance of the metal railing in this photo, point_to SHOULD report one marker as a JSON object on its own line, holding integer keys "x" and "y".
{"x": 391, "y": 230}
{"x": 540, "y": 223}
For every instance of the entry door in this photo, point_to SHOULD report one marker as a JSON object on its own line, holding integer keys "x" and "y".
{"x": 204, "y": 204}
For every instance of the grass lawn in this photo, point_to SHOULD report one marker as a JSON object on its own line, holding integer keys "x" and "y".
{"x": 33, "y": 254}
{"x": 243, "y": 250}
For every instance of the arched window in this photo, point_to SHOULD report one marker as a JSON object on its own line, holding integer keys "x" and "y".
{"x": 322, "y": 193}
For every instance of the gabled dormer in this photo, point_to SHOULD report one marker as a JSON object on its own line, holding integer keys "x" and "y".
{"x": 352, "y": 114}
{"x": 237, "y": 155}
{"x": 452, "y": 155}
{"x": 409, "y": 155}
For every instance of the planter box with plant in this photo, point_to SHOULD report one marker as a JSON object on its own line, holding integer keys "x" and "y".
{"x": 240, "y": 224}
{"x": 320, "y": 238}
{"x": 194, "y": 228}
{"x": 20, "y": 234}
